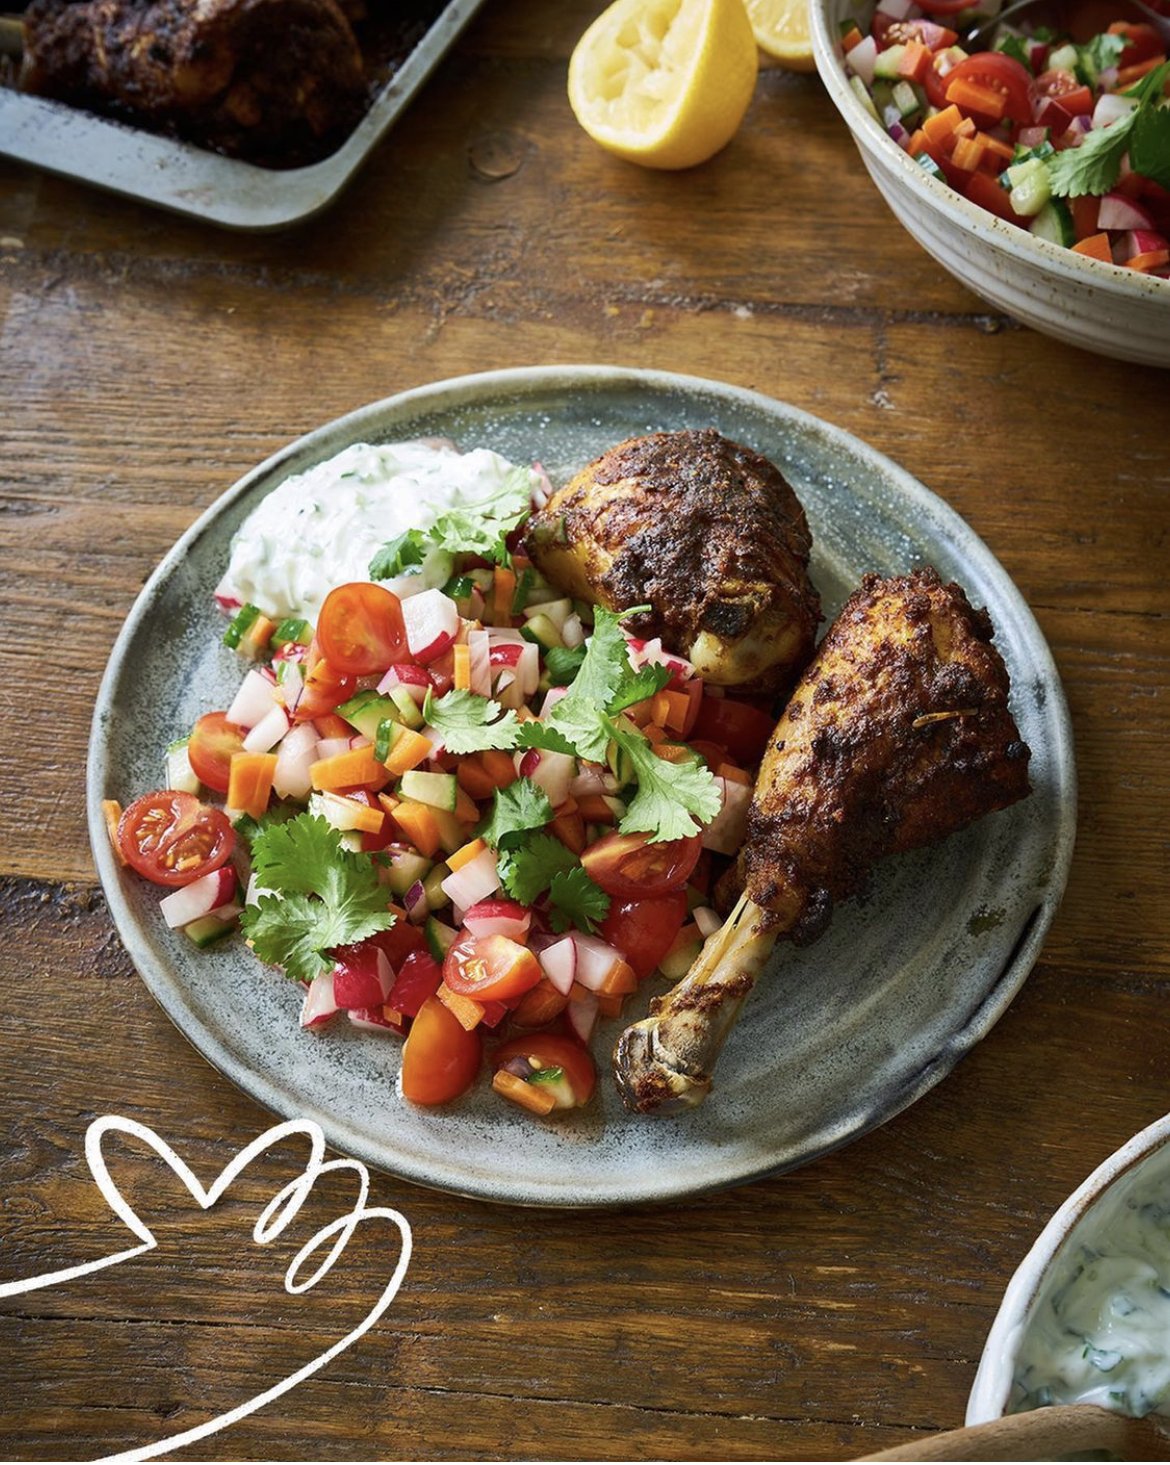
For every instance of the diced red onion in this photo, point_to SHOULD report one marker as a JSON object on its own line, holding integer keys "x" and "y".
{"x": 573, "y": 632}
{"x": 342, "y": 813}
{"x": 253, "y": 702}
{"x": 416, "y": 903}
{"x": 860, "y": 60}
{"x": 294, "y": 758}
{"x": 474, "y": 881}
{"x": 268, "y": 731}
{"x": 582, "y": 1015}
{"x": 332, "y": 747}
{"x": 595, "y": 960}
{"x": 593, "y": 779}
{"x": 558, "y": 961}
{"x": 479, "y": 674}
{"x": 318, "y": 1006}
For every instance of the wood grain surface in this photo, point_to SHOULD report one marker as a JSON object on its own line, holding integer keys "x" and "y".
{"x": 145, "y": 362}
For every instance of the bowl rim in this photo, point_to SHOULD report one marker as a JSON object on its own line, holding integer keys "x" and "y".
{"x": 993, "y": 1380}
{"x": 1041, "y": 254}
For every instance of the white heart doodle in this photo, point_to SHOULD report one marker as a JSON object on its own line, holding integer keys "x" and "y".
{"x": 280, "y": 1211}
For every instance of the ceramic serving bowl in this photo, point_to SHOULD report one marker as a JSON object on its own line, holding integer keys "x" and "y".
{"x": 1140, "y": 1159}
{"x": 1101, "y": 307}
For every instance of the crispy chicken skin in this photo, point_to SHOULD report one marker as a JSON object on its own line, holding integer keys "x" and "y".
{"x": 275, "y": 80}
{"x": 897, "y": 735}
{"x": 705, "y": 531}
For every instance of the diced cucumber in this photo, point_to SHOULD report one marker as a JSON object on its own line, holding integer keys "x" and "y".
{"x": 409, "y": 711}
{"x": 289, "y": 630}
{"x": 1031, "y": 189}
{"x": 439, "y": 790}
{"x": 240, "y": 622}
{"x": 404, "y": 868}
{"x": 452, "y": 834}
{"x": 1054, "y": 221}
{"x": 621, "y": 765}
{"x": 366, "y": 711}
{"x": 483, "y": 579}
{"x": 1065, "y": 57}
{"x": 541, "y": 631}
{"x": 437, "y": 897}
{"x": 208, "y": 929}
{"x": 524, "y": 583}
{"x": 861, "y": 92}
{"x": 180, "y": 775}
{"x": 677, "y": 963}
{"x": 924, "y": 160}
{"x": 255, "y": 641}
{"x": 384, "y": 738}
{"x": 906, "y": 100}
{"x": 557, "y": 611}
{"x": 440, "y": 937}
{"x": 888, "y": 61}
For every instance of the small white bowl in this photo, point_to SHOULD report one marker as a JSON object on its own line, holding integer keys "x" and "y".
{"x": 991, "y": 1392}
{"x": 1101, "y": 307}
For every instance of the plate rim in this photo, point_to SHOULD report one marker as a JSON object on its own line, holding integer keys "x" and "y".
{"x": 531, "y": 380}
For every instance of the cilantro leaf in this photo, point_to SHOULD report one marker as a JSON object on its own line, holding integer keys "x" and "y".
{"x": 527, "y": 871}
{"x": 248, "y": 828}
{"x": 483, "y": 526}
{"x": 1102, "y": 52}
{"x": 564, "y": 664}
{"x": 1149, "y": 151}
{"x": 536, "y": 734}
{"x": 517, "y": 809}
{"x": 469, "y": 723}
{"x": 1151, "y": 86}
{"x": 398, "y": 555}
{"x": 576, "y": 901}
{"x": 639, "y": 685}
{"x": 668, "y": 793}
{"x": 1094, "y": 166}
{"x": 326, "y": 897}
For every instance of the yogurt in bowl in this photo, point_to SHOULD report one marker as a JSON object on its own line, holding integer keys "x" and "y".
{"x": 1086, "y": 1318}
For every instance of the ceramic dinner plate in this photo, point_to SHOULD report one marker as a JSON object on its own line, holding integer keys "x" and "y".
{"x": 837, "y": 1038}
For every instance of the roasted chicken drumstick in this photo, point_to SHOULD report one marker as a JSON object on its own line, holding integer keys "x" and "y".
{"x": 897, "y": 735}
{"x": 705, "y": 531}
{"x": 275, "y": 80}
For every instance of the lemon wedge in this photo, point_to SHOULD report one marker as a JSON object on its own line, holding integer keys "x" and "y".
{"x": 781, "y": 29}
{"x": 664, "y": 83}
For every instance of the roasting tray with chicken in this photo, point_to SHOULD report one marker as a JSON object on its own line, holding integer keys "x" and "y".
{"x": 896, "y": 734}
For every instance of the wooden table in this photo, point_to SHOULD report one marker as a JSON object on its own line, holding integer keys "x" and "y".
{"x": 146, "y": 363}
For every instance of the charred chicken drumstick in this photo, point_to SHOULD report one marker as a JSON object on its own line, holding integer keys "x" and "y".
{"x": 897, "y": 735}
{"x": 276, "y": 80}
{"x": 705, "y": 531}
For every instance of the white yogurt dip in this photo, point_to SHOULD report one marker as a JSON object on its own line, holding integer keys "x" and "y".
{"x": 1100, "y": 1334}
{"x": 321, "y": 528}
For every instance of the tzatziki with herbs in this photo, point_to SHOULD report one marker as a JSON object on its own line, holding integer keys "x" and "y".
{"x": 1100, "y": 1334}
{"x": 315, "y": 530}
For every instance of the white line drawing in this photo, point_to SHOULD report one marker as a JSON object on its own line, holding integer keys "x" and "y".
{"x": 276, "y": 1216}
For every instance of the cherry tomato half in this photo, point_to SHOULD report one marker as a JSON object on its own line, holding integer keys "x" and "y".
{"x": 1058, "y": 85}
{"x": 214, "y": 742}
{"x": 490, "y": 968}
{"x": 644, "y": 930}
{"x": 1141, "y": 42}
{"x": 630, "y": 867}
{"x": 173, "y": 839}
{"x": 553, "y": 1051}
{"x": 440, "y": 1058}
{"x": 944, "y": 7}
{"x": 361, "y": 629}
{"x": 739, "y": 727}
{"x": 325, "y": 687}
{"x": 998, "y": 73}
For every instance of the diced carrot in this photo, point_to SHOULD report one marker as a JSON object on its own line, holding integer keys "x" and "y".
{"x": 850, "y": 39}
{"x": 655, "y": 732}
{"x": 329, "y": 725}
{"x": 678, "y": 711}
{"x": 1153, "y": 259}
{"x": 536, "y": 1098}
{"x": 474, "y": 777}
{"x": 388, "y": 802}
{"x": 619, "y": 981}
{"x": 914, "y": 61}
{"x": 995, "y": 148}
{"x": 610, "y": 1004}
{"x": 462, "y": 668}
{"x": 967, "y": 128}
{"x": 733, "y": 774}
{"x": 592, "y": 807}
{"x": 397, "y": 910}
{"x": 982, "y": 99}
{"x": 250, "y": 782}
{"x": 917, "y": 143}
{"x": 362, "y": 817}
{"x": 112, "y": 810}
{"x": 570, "y": 830}
{"x": 659, "y": 708}
{"x": 940, "y": 127}
{"x": 539, "y": 1005}
{"x": 419, "y": 825}
{"x": 672, "y": 753}
{"x": 465, "y": 855}
{"x": 1085, "y": 208}
{"x": 500, "y": 768}
{"x": 468, "y": 1013}
{"x": 356, "y": 769}
{"x": 578, "y": 993}
{"x": 503, "y": 591}
{"x": 967, "y": 154}
{"x": 1130, "y": 74}
{"x": 1095, "y": 247}
{"x": 465, "y": 809}
{"x": 257, "y": 636}
{"x": 409, "y": 750}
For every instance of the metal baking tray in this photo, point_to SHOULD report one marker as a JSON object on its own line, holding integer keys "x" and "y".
{"x": 189, "y": 180}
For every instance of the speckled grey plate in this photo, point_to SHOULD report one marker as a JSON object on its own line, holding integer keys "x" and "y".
{"x": 838, "y": 1038}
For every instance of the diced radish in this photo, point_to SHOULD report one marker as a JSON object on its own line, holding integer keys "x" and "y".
{"x": 339, "y": 812}
{"x": 553, "y": 772}
{"x": 319, "y": 1005}
{"x": 506, "y": 652}
{"x": 479, "y": 663}
{"x": 507, "y": 689}
{"x": 228, "y": 912}
{"x": 860, "y": 61}
{"x": 432, "y": 623}
{"x": 199, "y": 898}
{"x": 268, "y": 731}
{"x": 595, "y": 960}
{"x": 374, "y": 1020}
{"x": 559, "y": 963}
{"x": 255, "y": 890}
{"x": 418, "y": 978}
{"x": 551, "y": 698}
{"x": 254, "y": 701}
{"x": 332, "y": 747}
{"x": 528, "y": 671}
{"x": 726, "y": 831}
{"x": 582, "y": 1015}
{"x": 651, "y": 653}
{"x": 297, "y": 754}
{"x": 1110, "y": 108}
{"x": 474, "y": 881}
{"x": 415, "y": 679}
{"x": 226, "y": 598}
{"x": 706, "y": 919}
{"x": 1140, "y": 241}
{"x": 1116, "y": 211}
{"x": 573, "y": 632}
{"x": 499, "y": 917}
{"x": 291, "y": 684}
{"x": 363, "y": 978}
{"x": 543, "y": 489}
{"x": 1032, "y": 137}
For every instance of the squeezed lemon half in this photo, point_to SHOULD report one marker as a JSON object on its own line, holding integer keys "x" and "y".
{"x": 664, "y": 83}
{"x": 781, "y": 29}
